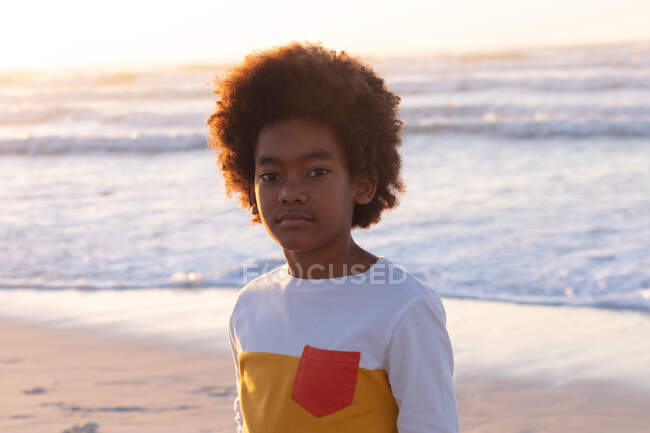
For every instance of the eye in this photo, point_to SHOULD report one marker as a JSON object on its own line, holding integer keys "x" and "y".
{"x": 265, "y": 177}
{"x": 323, "y": 172}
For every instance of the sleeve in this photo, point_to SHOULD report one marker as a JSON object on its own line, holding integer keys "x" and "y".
{"x": 235, "y": 353}
{"x": 420, "y": 366}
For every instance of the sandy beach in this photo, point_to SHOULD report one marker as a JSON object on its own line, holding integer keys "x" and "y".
{"x": 60, "y": 380}
{"x": 53, "y": 380}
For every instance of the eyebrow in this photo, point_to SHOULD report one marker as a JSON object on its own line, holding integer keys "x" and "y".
{"x": 317, "y": 154}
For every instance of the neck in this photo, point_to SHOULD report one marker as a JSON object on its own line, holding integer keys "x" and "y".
{"x": 339, "y": 259}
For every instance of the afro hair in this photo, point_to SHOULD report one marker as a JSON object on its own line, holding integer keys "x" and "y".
{"x": 309, "y": 81}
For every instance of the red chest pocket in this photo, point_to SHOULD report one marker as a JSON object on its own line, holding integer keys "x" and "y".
{"x": 325, "y": 380}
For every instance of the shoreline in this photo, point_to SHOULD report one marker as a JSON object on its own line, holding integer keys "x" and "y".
{"x": 561, "y": 344}
{"x": 55, "y": 379}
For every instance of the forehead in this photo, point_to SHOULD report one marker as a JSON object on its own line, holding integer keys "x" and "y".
{"x": 297, "y": 140}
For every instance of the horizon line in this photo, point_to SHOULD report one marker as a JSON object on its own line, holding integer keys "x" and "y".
{"x": 481, "y": 53}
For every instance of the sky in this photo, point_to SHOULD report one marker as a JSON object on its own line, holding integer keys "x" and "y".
{"x": 63, "y": 33}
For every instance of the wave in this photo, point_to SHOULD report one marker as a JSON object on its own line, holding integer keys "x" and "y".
{"x": 53, "y": 145}
{"x": 533, "y": 130}
{"x": 53, "y": 96}
{"x": 34, "y": 116}
{"x": 540, "y": 112}
{"x": 638, "y": 300}
{"x": 51, "y": 115}
{"x": 230, "y": 277}
{"x": 425, "y": 82}
{"x": 601, "y": 83}
{"x": 512, "y": 129}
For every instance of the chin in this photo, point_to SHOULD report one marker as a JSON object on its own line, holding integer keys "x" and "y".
{"x": 294, "y": 239}
{"x": 295, "y": 245}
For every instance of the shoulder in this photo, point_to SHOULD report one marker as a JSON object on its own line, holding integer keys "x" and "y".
{"x": 263, "y": 282}
{"x": 418, "y": 320}
{"x": 257, "y": 289}
{"x": 411, "y": 292}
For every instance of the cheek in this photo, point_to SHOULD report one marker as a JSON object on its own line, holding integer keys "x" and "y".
{"x": 265, "y": 199}
{"x": 337, "y": 200}
{"x": 261, "y": 197}
{"x": 262, "y": 191}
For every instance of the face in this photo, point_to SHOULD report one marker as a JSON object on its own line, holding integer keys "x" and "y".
{"x": 300, "y": 169}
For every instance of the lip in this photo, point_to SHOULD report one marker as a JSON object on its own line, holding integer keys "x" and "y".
{"x": 294, "y": 222}
{"x": 294, "y": 219}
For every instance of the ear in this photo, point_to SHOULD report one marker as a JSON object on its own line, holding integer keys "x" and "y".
{"x": 366, "y": 187}
{"x": 252, "y": 202}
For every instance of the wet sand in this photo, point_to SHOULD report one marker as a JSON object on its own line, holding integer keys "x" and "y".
{"x": 53, "y": 380}
{"x": 57, "y": 380}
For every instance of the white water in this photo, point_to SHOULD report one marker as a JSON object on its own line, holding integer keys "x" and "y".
{"x": 528, "y": 180}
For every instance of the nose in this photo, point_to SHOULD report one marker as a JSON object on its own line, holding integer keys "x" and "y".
{"x": 292, "y": 191}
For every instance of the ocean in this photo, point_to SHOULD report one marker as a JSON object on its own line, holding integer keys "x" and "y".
{"x": 527, "y": 173}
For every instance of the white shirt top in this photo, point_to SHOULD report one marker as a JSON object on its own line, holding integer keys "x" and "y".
{"x": 395, "y": 321}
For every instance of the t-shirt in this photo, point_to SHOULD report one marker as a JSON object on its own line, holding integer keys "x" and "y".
{"x": 361, "y": 353}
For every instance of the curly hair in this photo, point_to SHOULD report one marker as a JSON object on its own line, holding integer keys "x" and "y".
{"x": 309, "y": 81}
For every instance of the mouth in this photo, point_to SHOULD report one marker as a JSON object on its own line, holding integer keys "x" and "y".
{"x": 294, "y": 221}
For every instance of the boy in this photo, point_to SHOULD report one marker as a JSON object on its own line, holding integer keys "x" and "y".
{"x": 336, "y": 339}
